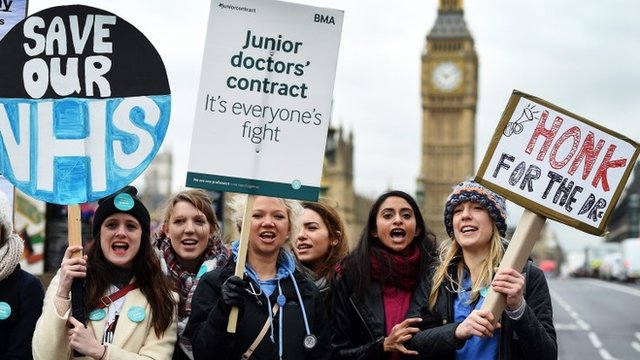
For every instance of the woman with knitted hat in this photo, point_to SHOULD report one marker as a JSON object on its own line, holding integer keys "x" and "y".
{"x": 20, "y": 292}
{"x": 131, "y": 309}
{"x": 376, "y": 281}
{"x": 281, "y": 313}
{"x": 454, "y": 324}
{"x": 189, "y": 245}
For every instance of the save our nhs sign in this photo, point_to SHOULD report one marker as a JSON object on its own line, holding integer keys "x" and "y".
{"x": 84, "y": 104}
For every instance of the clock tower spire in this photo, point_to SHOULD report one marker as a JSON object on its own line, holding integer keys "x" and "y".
{"x": 449, "y": 98}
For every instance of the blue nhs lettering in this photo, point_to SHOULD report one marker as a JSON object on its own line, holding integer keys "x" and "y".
{"x": 78, "y": 150}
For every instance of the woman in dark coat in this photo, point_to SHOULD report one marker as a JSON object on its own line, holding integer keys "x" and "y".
{"x": 21, "y": 293}
{"x": 454, "y": 324}
{"x": 374, "y": 285}
{"x": 273, "y": 297}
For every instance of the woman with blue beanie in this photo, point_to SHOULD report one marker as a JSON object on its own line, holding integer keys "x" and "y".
{"x": 282, "y": 314}
{"x": 454, "y": 324}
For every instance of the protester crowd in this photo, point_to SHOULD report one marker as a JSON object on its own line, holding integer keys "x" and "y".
{"x": 398, "y": 293}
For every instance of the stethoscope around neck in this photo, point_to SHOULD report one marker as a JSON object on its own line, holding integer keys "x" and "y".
{"x": 310, "y": 340}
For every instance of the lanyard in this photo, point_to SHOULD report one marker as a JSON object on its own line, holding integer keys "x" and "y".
{"x": 110, "y": 299}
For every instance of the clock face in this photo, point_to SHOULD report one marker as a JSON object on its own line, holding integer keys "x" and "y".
{"x": 446, "y": 76}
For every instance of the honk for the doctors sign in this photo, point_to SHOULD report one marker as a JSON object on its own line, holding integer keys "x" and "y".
{"x": 264, "y": 103}
{"x": 557, "y": 164}
{"x": 84, "y": 104}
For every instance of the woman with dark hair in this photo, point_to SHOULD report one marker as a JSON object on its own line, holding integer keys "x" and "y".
{"x": 376, "y": 281}
{"x": 320, "y": 245}
{"x": 132, "y": 311}
{"x": 188, "y": 245}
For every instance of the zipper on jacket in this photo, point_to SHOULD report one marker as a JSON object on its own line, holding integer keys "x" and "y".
{"x": 361, "y": 318}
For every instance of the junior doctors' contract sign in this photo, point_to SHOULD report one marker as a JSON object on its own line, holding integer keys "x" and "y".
{"x": 557, "y": 164}
{"x": 84, "y": 104}
{"x": 264, "y": 102}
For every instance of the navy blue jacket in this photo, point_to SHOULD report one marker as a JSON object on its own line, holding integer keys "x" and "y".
{"x": 23, "y": 293}
{"x": 532, "y": 337}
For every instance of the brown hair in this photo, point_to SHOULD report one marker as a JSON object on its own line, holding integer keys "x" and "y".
{"x": 147, "y": 273}
{"x": 335, "y": 228}
{"x": 199, "y": 199}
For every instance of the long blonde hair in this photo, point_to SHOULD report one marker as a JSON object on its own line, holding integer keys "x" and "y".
{"x": 451, "y": 253}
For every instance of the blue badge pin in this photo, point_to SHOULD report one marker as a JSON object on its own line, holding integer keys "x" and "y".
{"x": 484, "y": 291}
{"x": 5, "y": 310}
{"x": 281, "y": 300}
{"x": 201, "y": 271}
{"x": 136, "y": 314}
{"x": 123, "y": 202}
{"x": 296, "y": 184}
{"x": 97, "y": 314}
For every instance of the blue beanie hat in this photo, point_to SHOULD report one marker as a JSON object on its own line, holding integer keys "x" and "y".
{"x": 123, "y": 201}
{"x": 472, "y": 191}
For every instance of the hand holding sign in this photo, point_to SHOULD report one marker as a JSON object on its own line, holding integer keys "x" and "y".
{"x": 84, "y": 107}
{"x": 554, "y": 164}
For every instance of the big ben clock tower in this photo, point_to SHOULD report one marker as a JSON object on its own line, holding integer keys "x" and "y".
{"x": 449, "y": 97}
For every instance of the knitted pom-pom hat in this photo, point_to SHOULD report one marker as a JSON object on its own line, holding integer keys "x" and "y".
{"x": 472, "y": 191}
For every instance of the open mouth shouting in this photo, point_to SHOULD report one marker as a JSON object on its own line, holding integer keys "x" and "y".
{"x": 398, "y": 235}
{"x": 467, "y": 229}
{"x": 189, "y": 244}
{"x": 267, "y": 236}
{"x": 120, "y": 248}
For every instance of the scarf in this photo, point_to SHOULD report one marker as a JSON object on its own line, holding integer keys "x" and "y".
{"x": 185, "y": 281}
{"x": 321, "y": 282}
{"x": 396, "y": 269}
{"x": 10, "y": 254}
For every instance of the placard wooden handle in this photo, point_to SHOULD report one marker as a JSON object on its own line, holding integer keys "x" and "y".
{"x": 242, "y": 257}
{"x": 515, "y": 257}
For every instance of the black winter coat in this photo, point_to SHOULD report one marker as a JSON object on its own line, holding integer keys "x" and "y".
{"x": 532, "y": 337}
{"x": 357, "y": 324}
{"x": 24, "y": 294}
{"x": 208, "y": 322}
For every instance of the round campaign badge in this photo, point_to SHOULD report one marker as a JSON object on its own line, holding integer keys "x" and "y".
{"x": 310, "y": 341}
{"x": 97, "y": 314}
{"x": 281, "y": 300}
{"x": 201, "y": 271}
{"x": 484, "y": 291}
{"x": 136, "y": 314}
{"x": 5, "y": 310}
{"x": 123, "y": 202}
{"x": 296, "y": 184}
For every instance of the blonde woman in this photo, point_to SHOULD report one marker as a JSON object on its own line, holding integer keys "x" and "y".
{"x": 454, "y": 324}
{"x": 273, "y": 295}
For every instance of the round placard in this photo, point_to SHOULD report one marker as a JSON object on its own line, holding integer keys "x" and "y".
{"x": 84, "y": 104}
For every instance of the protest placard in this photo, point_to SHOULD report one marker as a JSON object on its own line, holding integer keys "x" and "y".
{"x": 557, "y": 165}
{"x": 84, "y": 107}
{"x": 11, "y": 12}
{"x": 264, "y": 101}
{"x": 84, "y": 104}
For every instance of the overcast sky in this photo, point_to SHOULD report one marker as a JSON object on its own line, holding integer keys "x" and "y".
{"x": 582, "y": 55}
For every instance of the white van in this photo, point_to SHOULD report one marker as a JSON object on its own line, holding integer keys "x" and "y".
{"x": 630, "y": 250}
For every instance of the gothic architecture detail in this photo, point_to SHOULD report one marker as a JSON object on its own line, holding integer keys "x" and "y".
{"x": 449, "y": 98}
